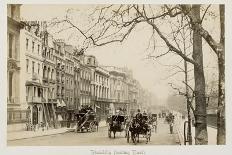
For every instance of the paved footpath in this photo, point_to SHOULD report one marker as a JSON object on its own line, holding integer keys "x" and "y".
{"x": 162, "y": 137}
{"x": 212, "y": 133}
{"x": 17, "y": 135}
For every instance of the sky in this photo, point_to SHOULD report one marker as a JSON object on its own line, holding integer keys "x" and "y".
{"x": 131, "y": 53}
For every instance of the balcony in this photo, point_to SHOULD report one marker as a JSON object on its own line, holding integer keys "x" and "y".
{"x": 34, "y": 99}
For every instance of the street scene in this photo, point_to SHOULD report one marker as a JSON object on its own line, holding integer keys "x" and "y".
{"x": 110, "y": 74}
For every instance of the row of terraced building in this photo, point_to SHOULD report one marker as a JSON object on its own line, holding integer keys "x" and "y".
{"x": 48, "y": 80}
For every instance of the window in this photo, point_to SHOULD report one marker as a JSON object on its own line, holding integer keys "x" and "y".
{"x": 27, "y": 64}
{"x": 13, "y": 8}
{"x": 59, "y": 48}
{"x": 89, "y": 60}
{"x": 27, "y": 42}
{"x": 10, "y": 45}
{"x": 34, "y": 91}
{"x": 33, "y": 46}
{"x": 52, "y": 73}
{"x": 58, "y": 90}
{"x": 33, "y": 66}
{"x": 38, "y": 48}
{"x": 10, "y": 85}
{"x": 38, "y": 68}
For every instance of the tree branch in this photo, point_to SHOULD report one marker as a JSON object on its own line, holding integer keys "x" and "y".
{"x": 217, "y": 47}
{"x": 205, "y": 13}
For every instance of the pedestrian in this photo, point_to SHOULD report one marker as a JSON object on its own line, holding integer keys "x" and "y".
{"x": 171, "y": 124}
{"x": 139, "y": 117}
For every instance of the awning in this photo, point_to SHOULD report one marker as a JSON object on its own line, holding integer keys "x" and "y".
{"x": 63, "y": 103}
{"x": 98, "y": 107}
{"x": 33, "y": 83}
{"x": 60, "y": 118}
{"x": 58, "y": 103}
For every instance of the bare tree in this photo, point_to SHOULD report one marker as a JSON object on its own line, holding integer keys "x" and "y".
{"x": 219, "y": 49}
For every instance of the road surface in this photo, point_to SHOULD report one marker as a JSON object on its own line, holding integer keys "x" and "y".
{"x": 162, "y": 137}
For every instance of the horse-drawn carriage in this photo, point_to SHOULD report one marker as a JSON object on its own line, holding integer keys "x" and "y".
{"x": 86, "y": 122}
{"x": 116, "y": 123}
{"x": 139, "y": 127}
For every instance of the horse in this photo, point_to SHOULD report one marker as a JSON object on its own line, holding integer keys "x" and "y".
{"x": 116, "y": 124}
{"x": 136, "y": 128}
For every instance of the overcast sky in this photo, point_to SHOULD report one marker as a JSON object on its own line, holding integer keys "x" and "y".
{"x": 131, "y": 53}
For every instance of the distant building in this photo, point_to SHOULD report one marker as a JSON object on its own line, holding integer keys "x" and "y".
{"x": 59, "y": 46}
{"x": 119, "y": 93}
{"x": 76, "y": 59}
{"x": 49, "y": 79}
{"x": 85, "y": 83}
{"x": 69, "y": 79}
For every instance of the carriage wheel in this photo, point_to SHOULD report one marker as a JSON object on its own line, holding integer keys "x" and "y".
{"x": 128, "y": 137}
{"x": 92, "y": 127}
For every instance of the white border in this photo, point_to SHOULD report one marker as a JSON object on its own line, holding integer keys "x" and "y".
{"x": 86, "y": 149}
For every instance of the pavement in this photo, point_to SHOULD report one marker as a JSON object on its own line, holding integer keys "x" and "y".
{"x": 17, "y": 135}
{"x": 212, "y": 133}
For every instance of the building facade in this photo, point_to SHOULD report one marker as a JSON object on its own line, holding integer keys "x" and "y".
{"x": 61, "y": 108}
{"x": 85, "y": 83}
{"x": 76, "y": 59}
{"x": 118, "y": 89}
{"x": 16, "y": 105}
{"x": 33, "y": 89}
{"x": 49, "y": 79}
{"x": 69, "y": 79}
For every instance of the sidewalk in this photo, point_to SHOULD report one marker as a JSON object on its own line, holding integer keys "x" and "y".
{"x": 30, "y": 134}
{"x": 212, "y": 134}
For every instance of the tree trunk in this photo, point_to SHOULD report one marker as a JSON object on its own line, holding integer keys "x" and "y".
{"x": 201, "y": 136}
{"x": 221, "y": 132}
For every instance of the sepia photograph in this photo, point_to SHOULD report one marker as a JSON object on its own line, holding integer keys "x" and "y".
{"x": 115, "y": 75}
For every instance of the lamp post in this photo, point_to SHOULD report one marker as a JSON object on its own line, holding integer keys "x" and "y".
{"x": 189, "y": 132}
